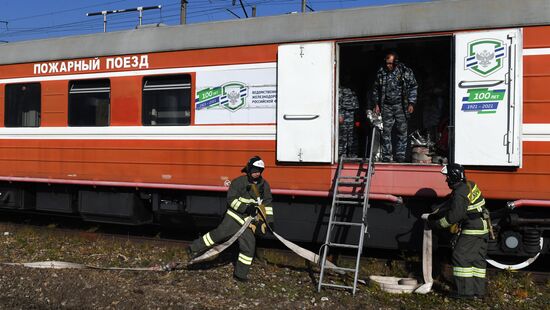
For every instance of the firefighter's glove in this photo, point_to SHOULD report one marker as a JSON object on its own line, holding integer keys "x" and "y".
{"x": 263, "y": 228}
{"x": 251, "y": 209}
{"x": 454, "y": 229}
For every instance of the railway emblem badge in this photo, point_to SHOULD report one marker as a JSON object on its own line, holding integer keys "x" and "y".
{"x": 233, "y": 95}
{"x": 485, "y": 56}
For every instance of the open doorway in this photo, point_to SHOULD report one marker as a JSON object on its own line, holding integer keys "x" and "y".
{"x": 430, "y": 59}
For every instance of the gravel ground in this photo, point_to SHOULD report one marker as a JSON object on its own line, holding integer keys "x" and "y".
{"x": 205, "y": 286}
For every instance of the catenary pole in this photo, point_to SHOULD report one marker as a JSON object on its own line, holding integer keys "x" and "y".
{"x": 183, "y": 12}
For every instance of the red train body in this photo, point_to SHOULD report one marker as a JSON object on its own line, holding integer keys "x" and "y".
{"x": 66, "y": 158}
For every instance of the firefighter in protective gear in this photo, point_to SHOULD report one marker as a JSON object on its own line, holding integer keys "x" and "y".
{"x": 466, "y": 208}
{"x": 247, "y": 196}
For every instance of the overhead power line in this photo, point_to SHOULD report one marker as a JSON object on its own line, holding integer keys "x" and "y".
{"x": 232, "y": 13}
{"x": 171, "y": 13}
{"x": 138, "y": 9}
{"x": 65, "y": 11}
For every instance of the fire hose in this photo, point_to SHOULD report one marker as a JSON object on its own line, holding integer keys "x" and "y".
{"x": 410, "y": 285}
{"x": 304, "y": 253}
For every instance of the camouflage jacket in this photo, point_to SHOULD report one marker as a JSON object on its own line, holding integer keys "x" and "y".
{"x": 395, "y": 86}
{"x": 348, "y": 100}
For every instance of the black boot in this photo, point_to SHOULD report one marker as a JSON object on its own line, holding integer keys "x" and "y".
{"x": 239, "y": 279}
{"x": 455, "y": 295}
{"x": 190, "y": 253}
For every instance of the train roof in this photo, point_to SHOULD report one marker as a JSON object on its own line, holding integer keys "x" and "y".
{"x": 448, "y": 15}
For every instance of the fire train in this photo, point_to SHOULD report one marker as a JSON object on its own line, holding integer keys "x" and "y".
{"x": 150, "y": 125}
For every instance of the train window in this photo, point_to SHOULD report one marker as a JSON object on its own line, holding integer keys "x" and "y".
{"x": 22, "y": 105}
{"x": 89, "y": 102}
{"x": 167, "y": 100}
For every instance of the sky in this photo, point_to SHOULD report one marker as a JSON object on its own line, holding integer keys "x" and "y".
{"x": 23, "y": 20}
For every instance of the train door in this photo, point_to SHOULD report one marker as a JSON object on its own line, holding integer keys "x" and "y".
{"x": 488, "y": 98}
{"x": 430, "y": 60}
{"x": 305, "y": 103}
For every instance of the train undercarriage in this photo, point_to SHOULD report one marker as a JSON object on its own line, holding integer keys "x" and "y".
{"x": 522, "y": 233}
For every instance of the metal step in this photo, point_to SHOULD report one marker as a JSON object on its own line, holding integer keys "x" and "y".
{"x": 343, "y": 245}
{"x": 355, "y": 160}
{"x": 340, "y": 268}
{"x": 350, "y": 196}
{"x": 356, "y": 168}
{"x": 337, "y": 285}
{"x": 348, "y": 202}
{"x": 347, "y": 223}
{"x": 352, "y": 178}
{"x": 347, "y": 183}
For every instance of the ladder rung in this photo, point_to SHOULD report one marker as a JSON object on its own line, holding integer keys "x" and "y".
{"x": 350, "y": 196}
{"x": 351, "y": 183}
{"x": 337, "y": 285}
{"x": 348, "y": 202}
{"x": 346, "y": 223}
{"x": 355, "y": 168}
{"x": 353, "y": 177}
{"x": 343, "y": 245}
{"x": 340, "y": 268}
{"x": 355, "y": 159}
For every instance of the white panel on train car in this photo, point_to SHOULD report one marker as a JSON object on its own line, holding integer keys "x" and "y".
{"x": 244, "y": 94}
{"x": 488, "y": 98}
{"x": 305, "y": 96}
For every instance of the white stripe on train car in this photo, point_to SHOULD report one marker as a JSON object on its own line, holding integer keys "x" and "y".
{"x": 536, "y": 51}
{"x": 531, "y": 132}
{"x": 136, "y": 72}
{"x": 526, "y": 52}
{"x": 236, "y": 132}
{"x": 536, "y": 132}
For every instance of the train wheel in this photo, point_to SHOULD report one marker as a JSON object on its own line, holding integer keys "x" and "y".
{"x": 518, "y": 266}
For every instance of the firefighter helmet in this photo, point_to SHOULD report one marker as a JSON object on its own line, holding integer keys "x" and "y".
{"x": 255, "y": 164}
{"x": 455, "y": 173}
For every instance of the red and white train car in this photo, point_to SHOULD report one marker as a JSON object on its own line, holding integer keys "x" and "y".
{"x": 150, "y": 124}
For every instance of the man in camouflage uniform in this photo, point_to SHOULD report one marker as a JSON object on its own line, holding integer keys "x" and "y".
{"x": 348, "y": 105}
{"x": 394, "y": 93}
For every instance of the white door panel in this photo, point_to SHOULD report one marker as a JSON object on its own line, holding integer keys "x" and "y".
{"x": 488, "y": 101}
{"x": 305, "y": 97}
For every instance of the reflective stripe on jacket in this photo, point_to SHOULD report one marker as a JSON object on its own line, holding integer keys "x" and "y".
{"x": 466, "y": 207}
{"x": 241, "y": 193}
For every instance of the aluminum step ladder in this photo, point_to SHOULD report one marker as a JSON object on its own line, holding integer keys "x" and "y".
{"x": 350, "y": 191}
